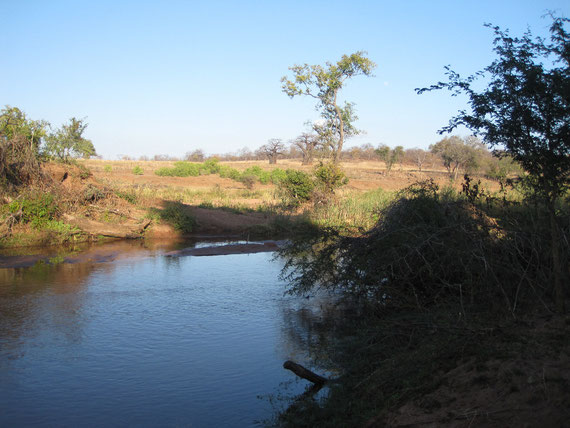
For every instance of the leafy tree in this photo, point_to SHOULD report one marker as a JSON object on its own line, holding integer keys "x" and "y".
{"x": 273, "y": 149}
{"x": 458, "y": 153}
{"x": 390, "y": 156}
{"x": 20, "y": 141}
{"x": 525, "y": 109}
{"x": 68, "y": 141}
{"x": 323, "y": 83}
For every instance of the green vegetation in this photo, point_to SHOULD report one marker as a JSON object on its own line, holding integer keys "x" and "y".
{"x": 68, "y": 142}
{"x": 324, "y": 83}
{"x": 175, "y": 214}
{"x": 434, "y": 273}
{"x": 211, "y": 166}
{"x": 390, "y": 156}
{"x": 525, "y": 109}
{"x": 36, "y": 209}
{"x": 137, "y": 170}
{"x": 452, "y": 281}
{"x": 296, "y": 188}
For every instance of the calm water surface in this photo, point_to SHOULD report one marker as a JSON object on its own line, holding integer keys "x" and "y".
{"x": 147, "y": 340}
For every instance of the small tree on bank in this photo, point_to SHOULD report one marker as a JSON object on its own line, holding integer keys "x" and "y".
{"x": 20, "y": 142}
{"x": 525, "y": 108}
{"x": 68, "y": 141}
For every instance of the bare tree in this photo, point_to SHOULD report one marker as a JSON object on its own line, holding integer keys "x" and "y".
{"x": 306, "y": 143}
{"x": 273, "y": 149}
{"x": 195, "y": 155}
{"x": 417, "y": 156}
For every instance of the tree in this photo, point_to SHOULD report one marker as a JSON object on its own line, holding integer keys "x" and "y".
{"x": 68, "y": 141}
{"x": 306, "y": 143}
{"x": 324, "y": 83}
{"x": 525, "y": 109}
{"x": 417, "y": 156}
{"x": 273, "y": 149}
{"x": 20, "y": 141}
{"x": 195, "y": 156}
{"x": 458, "y": 153}
{"x": 390, "y": 156}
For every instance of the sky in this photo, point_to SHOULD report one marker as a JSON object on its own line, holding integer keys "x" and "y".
{"x": 170, "y": 77}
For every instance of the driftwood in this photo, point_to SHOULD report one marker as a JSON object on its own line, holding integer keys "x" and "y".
{"x": 301, "y": 371}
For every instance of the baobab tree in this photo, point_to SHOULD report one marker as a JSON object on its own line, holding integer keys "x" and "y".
{"x": 273, "y": 149}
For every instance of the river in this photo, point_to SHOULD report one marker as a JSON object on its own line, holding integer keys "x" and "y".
{"x": 131, "y": 337}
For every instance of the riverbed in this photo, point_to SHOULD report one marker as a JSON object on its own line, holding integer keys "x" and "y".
{"x": 133, "y": 337}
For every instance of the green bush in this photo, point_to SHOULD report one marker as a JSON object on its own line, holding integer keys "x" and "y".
{"x": 297, "y": 187}
{"x": 278, "y": 175}
{"x": 211, "y": 166}
{"x": 35, "y": 209}
{"x": 180, "y": 169}
{"x": 329, "y": 176}
{"x": 137, "y": 170}
{"x": 107, "y": 168}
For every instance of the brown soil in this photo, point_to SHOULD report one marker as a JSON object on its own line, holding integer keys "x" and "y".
{"x": 531, "y": 390}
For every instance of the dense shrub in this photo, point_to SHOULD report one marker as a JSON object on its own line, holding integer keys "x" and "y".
{"x": 180, "y": 169}
{"x": 36, "y": 209}
{"x": 296, "y": 187}
{"x": 430, "y": 249}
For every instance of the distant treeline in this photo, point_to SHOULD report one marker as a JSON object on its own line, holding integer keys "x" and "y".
{"x": 455, "y": 154}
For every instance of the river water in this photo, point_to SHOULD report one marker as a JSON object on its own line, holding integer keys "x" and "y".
{"x": 130, "y": 337}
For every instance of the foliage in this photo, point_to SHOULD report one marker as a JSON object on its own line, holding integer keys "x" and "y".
{"x": 430, "y": 250}
{"x": 68, "y": 141}
{"x": 329, "y": 177}
{"x": 20, "y": 140}
{"x": 501, "y": 167}
{"x": 390, "y": 156}
{"x": 34, "y": 208}
{"x": 228, "y": 172}
{"x": 296, "y": 187}
{"x": 323, "y": 84}
{"x": 107, "y": 168}
{"x": 459, "y": 153}
{"x": 525, "y": 109}
{"x": 137, "y": 170}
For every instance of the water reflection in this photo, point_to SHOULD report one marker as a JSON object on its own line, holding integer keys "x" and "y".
{"x": 142, "y": 339}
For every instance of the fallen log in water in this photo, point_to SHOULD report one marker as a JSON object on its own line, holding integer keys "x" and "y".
{"x": 301, "y": 371}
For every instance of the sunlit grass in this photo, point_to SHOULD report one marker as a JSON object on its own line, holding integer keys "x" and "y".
{"x": 352, "y": 209}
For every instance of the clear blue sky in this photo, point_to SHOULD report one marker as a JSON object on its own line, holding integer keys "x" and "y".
{"x": 168, "y": 77}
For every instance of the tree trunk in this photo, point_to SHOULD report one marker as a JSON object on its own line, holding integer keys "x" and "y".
{"x": 337, "y": 153}
{"x": 559, "y": 292}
